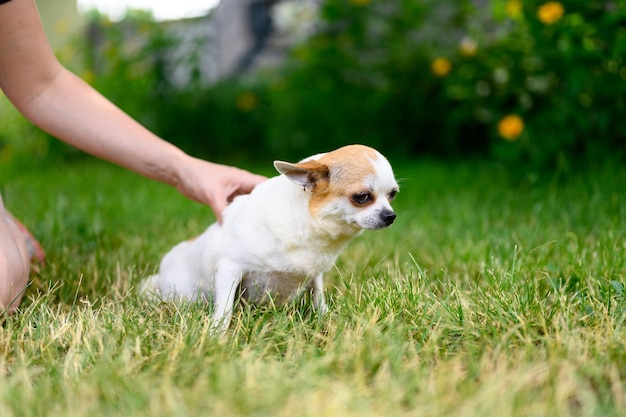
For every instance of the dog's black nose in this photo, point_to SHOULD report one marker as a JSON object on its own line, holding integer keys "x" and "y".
{"x": 388, "y": 216}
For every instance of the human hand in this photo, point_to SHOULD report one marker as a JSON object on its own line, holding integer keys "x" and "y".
{"x": 214, "y": 184}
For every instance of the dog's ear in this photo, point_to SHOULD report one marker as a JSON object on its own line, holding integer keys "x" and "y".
{"x": 305, "y": 174}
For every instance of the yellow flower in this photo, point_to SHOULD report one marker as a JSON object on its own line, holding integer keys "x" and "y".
{"x": 247, "y": 101}
{"x": 441, "y": 67}
{"x": 550, "y": 12}
{"x": 511, "y": 127}
{"x": 468, "y": 47}
{"x": 513, "y": 8}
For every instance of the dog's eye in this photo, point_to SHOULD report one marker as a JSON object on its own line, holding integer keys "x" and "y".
{"x": 362, "y": 198}
{"x": 392, "y": 195}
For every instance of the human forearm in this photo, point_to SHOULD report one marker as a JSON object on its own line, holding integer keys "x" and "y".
{"x": 77, "y": 114}
{"x": 72, "y": 111}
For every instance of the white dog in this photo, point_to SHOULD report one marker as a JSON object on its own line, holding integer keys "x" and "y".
{"x": 278, "y": 241}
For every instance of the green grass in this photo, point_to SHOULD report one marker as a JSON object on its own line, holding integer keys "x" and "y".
{"x": 490, "y": 296}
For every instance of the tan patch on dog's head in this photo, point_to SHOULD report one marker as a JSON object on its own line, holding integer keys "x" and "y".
{"x": 348, "y": 167}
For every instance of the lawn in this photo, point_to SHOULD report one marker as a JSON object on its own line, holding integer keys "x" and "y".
{"x": 492, "y": 295}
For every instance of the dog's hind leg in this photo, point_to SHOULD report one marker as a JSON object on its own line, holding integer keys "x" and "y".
{"x": 148, "y": 288}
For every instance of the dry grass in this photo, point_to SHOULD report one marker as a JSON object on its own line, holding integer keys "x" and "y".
{"x": 486, "y": 299}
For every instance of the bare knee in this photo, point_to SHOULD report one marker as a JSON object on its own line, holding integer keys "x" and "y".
{"x": 13, "y": 282}
{"x": 14, "y": 265}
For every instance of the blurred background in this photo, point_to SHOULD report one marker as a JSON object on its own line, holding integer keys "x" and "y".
{"x": 528, "y": 83}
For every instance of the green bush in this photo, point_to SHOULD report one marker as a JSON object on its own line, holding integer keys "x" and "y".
{"x": 131, "y": 62}
{"x": 559, "y": 67}
{"x": 18, "y": 137}
{"x": 365, "y": 77}
{"x": 533, "y": 82}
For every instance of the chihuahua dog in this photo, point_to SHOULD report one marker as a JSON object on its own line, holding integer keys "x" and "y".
{"x": 277, "y": 241}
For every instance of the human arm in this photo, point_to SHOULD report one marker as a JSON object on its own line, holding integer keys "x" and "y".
{"x": 62, "y": 104}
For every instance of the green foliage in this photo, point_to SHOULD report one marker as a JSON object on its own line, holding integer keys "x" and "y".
{"x": 17, "y": 136}
{"x": 134, "y": 64}
{"x": 531, "y": 82}
{"x": 365, "y": 77}
{"x": 565, "y": 78}
{"x": 438, "y": 76}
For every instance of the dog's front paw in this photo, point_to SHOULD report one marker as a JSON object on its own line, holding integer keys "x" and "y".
{"x": 218, "y": 329}
{"x": 322, "y": 309}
